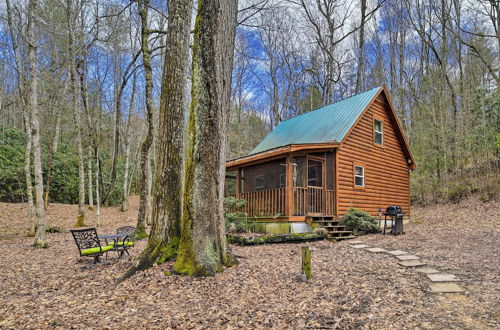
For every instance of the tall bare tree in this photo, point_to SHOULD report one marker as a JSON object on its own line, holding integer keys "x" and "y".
{"x": 26, "y": 119}
{"x": 35, "y": 124}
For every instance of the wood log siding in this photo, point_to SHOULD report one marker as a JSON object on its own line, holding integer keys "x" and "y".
{"x": 387, "y": 180}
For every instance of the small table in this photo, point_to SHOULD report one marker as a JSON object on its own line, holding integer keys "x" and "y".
{"x": 120, "y": 249}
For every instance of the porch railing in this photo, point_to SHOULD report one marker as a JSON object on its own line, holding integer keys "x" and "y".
{"x": 271, "y": 202}
{"x": 315, "y": 200}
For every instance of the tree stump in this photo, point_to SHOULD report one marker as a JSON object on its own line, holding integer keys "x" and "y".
{"x": 306, "y": 262}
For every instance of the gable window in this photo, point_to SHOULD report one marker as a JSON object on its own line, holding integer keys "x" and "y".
{"x": 359, "y": 176}
{"x": 378, "y": 132}
{"x": 259, "y": 182}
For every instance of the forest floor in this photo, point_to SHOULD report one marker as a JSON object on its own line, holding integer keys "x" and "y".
{"x": 350, "y": 288}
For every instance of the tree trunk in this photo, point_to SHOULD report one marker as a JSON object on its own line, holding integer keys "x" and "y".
{"x": 360, "y": 69}
{"x": 53, "y": 147}
{"x": 118, "y": 91}
{"x": 203, "y": 249}
{"x": 26, "y": 121}
{"x": 149, "y": 201}
{"x": 146, "y": 145}
{"x": 125, "y": 204}
{"x": 167, "y": 190}
{"x": 35, "y": 126}
{"x": 97, "y": 195}
{"x": 89, "y": 178}
{"x": 80, "y": 219}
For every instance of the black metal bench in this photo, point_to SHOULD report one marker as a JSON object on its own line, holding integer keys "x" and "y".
{"x": 88, "y": 243}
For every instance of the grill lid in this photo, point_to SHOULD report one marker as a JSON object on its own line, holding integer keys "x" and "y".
{"x": 394, "y": 209}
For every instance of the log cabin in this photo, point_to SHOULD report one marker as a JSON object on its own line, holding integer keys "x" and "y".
{"x": 313, "y": 167}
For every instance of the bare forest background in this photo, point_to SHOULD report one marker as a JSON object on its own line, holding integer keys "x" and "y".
{"x": 82, "y": 135}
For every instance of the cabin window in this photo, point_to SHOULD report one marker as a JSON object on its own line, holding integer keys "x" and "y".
{"x": 378, "y": 131}
{"x": 259, "y": 182}
{"x": 359, "y": 176}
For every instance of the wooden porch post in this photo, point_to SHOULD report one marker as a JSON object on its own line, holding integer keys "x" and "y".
{"x": 289, "y": 186}
{"x": 238, "y": 182}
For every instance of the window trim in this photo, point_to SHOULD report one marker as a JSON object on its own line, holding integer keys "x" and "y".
{"x": 382, "y": 123}
{"x": 354, "y": 176}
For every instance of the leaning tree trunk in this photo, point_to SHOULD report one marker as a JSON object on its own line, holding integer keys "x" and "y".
{"x": 80, "y": 219}
{"x": 167, "y": 190}
{"x": 203, "y": 249}
{"x": 35, "y": 126}
{"x": 146, "y": 145}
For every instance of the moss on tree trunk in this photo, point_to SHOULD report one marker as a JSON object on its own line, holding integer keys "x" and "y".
{"x": 167, "y": 190}
{"x": 203, "y": 249}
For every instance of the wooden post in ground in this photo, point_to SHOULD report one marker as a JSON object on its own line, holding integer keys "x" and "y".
{"x": 306, "y": 262}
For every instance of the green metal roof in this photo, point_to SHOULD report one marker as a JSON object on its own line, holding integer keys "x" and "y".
{"x": 327, "y": 124}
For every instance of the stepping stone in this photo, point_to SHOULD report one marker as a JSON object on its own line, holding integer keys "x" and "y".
{"x": 356, "y": 242}
{"x": 376, "y": 250}
{"x": 443, "y": 278}
{"x": 427, "y": 270}
{"x": 397, "y": 252}
{"x": 446, "y": 288}
{"x": 408, "y": 257}
{"x": 360, "y": 246}
{"x": 412, "y": 263}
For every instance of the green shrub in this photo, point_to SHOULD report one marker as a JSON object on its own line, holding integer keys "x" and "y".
{"x": 235, "y": 221}
{"x": 360, "y": 221}
{"x": 64, "y": 184}
{"x": 12, "y": 178}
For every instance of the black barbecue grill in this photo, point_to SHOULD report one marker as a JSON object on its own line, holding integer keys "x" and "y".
{"x": 395, "y": 215}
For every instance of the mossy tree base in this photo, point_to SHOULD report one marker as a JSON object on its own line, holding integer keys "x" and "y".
{"x": 155, "y": 253}
{"x": 140, "y": 233}
{"x": 80, "y": 221}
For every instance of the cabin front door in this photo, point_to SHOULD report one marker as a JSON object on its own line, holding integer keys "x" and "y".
{"x": 315, "y": 178}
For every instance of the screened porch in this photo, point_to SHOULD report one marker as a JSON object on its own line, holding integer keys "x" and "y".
{"x": 297, "y": 185}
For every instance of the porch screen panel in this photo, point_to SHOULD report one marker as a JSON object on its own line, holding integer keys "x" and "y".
{"x": 329, "y": 171}
{"x": 266, "y": 176}
{"x": 301, "y": 169}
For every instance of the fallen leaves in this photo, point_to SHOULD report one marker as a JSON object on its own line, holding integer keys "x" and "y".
{"x": 54, "y": 288}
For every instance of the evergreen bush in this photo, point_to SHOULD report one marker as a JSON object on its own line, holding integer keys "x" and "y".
{"x": 360, "y": 221}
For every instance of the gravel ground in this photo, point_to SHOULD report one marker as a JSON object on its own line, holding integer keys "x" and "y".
{"x": 350, "y": 289}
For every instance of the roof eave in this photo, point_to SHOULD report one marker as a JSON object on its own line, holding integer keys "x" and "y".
{"x": 290, "y": 148}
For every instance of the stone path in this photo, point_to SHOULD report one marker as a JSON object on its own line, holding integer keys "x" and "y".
{"x": 441, "y": 282}
{"x": 407, "y": 257}
{"x": 376, "y": 250}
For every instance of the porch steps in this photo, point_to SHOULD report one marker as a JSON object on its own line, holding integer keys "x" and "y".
{"x": 335, "y": 231}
